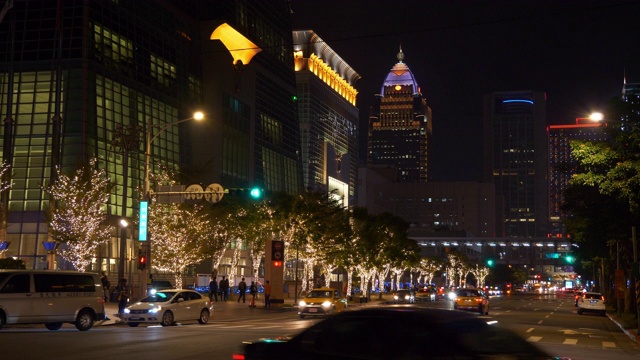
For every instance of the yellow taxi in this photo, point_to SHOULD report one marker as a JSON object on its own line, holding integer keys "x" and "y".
{"x": 471, "y": 299}
{"x": 322, "y": 302}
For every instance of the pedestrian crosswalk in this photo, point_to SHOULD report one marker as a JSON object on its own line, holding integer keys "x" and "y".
{"x": 573, "y": 341}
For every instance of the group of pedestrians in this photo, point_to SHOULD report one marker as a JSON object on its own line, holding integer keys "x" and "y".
{"x": 121, "y": 291}
{"x": 222, "y": 290}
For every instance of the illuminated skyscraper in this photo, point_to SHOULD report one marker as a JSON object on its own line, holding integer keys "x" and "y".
{"x": 328, "y": 116}
{"x": 516, "y": 160}
{"x": 400, "y": 126}
{"x": 562, "y": 165}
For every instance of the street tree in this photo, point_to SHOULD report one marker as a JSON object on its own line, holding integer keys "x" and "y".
{"x": 78, "y": 217}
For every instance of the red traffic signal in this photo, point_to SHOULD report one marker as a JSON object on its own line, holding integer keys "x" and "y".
{"x": 277, "y": 263}
{"x": 142, "y": 261}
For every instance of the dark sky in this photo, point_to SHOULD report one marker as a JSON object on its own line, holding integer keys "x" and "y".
{"x": 576, "y": 51}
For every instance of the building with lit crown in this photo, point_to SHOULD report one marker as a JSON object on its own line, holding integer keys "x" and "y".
{"x": 328, "y": 116}
{"x": 400, "y": 126}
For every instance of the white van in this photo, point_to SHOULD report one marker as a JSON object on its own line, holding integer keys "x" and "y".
{"x": 50, "y": 298}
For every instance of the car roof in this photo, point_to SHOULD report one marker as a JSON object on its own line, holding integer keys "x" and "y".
{"x": 323, "y": 289}
{"x": 591, "y": 293}
{"x": 431, "y": 314}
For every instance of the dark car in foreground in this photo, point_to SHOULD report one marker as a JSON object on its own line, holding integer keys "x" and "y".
{"x": 396, "y": 333}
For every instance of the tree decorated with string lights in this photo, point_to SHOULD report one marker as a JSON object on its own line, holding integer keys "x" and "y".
{"x": 179, "y": 232}
{"x": 78, "y": 217}
{"x": 480, "y": 273}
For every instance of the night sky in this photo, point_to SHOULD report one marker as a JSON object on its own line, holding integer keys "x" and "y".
{"x": 575, "y": 51}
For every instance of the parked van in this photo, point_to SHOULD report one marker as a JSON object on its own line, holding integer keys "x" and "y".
{"x": 50, "y": 298}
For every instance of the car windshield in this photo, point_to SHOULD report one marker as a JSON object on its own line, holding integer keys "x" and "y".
{"x": 319, "y": 294}
{"x": 160, "y": 296}
{"x": 467, "y": 293}
{"x": 593, "y": 296}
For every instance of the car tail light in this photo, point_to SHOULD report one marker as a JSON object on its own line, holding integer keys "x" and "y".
{"x": 237, "y": 357}
{"x": 479, "y": 300}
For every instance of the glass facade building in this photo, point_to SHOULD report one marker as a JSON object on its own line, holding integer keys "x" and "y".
{"x": 516, "y": 160}
{"x": 328, "y": 114}
{"x": 72, "y": 73}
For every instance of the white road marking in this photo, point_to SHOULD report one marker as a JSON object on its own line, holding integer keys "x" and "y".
{"x": 534, "y": 338}
{"x": 540, "y": 322}
{"x": 529, "y": 330}
{"x": 608, "y": 344}
{"x": 570, "y": 341}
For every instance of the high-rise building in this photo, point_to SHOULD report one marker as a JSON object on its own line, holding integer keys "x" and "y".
{"x": 400, "y": 126}
{"x": 562, "y": 165}
{"x": 328, "y": 116}
{"x": 515, "y": 159}
{"x": 88, "y": 69}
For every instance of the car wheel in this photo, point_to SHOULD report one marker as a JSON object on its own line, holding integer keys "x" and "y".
{"x": 133, "y": 324}
{"x": 455, "y": 307}
{"x": 204, "y": 316}
{"x": 579, "y": 312}
{"x": 603, "y": 313}
{"x": 301, "y": 316}
{"x": 167, "y": 318}
{"x": 481, "y": 310}
{"x": 53, "y": 326}
{"x": 3, "y": 319}
{"x": 84, "y": 321}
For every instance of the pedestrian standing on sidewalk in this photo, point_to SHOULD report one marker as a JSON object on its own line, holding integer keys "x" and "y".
{"x": 224, "y": 289}
{"x": 123, "y": 295}
{"x": 213, "y": 290}
{"x": 242, "y": 287}
{"x": 253, "y": 290}
{"x": 267, "y": 294}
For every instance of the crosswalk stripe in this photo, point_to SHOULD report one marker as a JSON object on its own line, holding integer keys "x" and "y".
{"x": 570, "y": 341}
{"x": 534, "y": 338}
{"x": 608, "y": 344}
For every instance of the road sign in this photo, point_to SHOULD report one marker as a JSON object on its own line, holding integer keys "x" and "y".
{"x": 214, "y": 193}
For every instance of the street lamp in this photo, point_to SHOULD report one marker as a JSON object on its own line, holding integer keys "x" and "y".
{"x": 123, "y": 245}
{"x": 146, "y": 195}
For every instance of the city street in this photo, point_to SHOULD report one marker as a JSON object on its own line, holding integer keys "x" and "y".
{"x": 549, "y": 321}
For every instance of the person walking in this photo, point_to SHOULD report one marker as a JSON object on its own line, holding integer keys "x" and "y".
{"x": 224, "y": 289}
{"x": 267, "y": 294}
{"x": 106, "y": 285}
{"x": 242, "y": 287}
{"x": 213, "y": 290}
{"x": 123, "y": 295}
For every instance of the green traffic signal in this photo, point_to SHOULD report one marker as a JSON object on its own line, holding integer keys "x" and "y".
{"x": 256, "y": 193}
{"x": 490, "y": 262}
{"x": 570, "y": 259}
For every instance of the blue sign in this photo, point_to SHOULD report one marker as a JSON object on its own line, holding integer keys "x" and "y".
{"x": 142, "y": 229}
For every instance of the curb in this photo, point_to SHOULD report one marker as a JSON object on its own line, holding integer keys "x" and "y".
{"x": 632, "y": 336}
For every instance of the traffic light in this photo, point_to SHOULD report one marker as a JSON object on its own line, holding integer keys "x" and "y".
{"x": 490, "y": 262}
{"x": 277, "y": 252}
{"x": 142, "y": 260}
{"x": 569, "y": 258}
{"x": 256, "y": 193}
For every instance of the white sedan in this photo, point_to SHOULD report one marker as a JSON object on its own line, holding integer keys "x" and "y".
{"x": 167, "y": 307}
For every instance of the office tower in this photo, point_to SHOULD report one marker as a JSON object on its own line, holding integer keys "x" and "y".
{"x": 515, "y": 159}
{"x": 85, "y": 69}
{"x": 328, "y": 116}
{"x": 400, "y": 126}
{"x": 562, "y": 165}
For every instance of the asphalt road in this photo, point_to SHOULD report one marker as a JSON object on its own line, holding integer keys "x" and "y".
{"x": 548, "y": 321}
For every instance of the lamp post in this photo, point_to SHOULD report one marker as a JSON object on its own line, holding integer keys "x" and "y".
{"x": 146, "y": 195}
{"x": 123, "y": 245}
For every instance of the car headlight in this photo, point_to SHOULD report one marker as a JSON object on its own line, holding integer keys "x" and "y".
{"x": 452, "y": 296}
{"x": 302, "y": 303}
{"x": 395, "y": 297}
{"x": 155, "y": 310}
{"x": 327, "y": 304}
{"x": 153, "y": 291}
{"x": 407, "y": 297}
{"x": 126, "y": 311}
